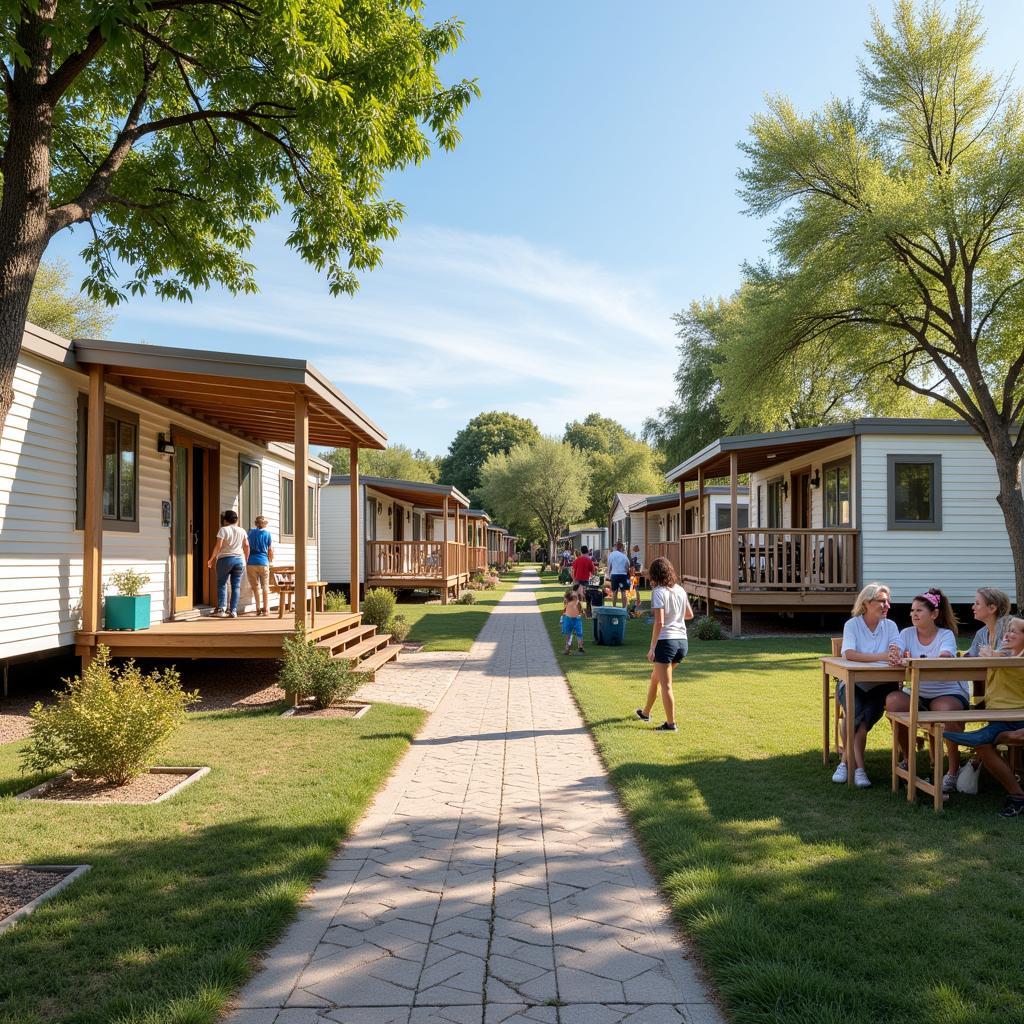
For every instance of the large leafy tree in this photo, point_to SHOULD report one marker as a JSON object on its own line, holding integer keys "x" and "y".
{"x": 171, "y": 127}
{"x": 536, "y": 487}
{"x": 899, "y": 234}
{"x": 396, "y": 462}
{"x": 488, "y": 434}
{"x": 617, "y": 461}
{"x": 62, "y": 308}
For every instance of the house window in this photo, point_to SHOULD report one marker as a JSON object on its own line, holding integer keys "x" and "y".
{"x": 688, "y": 520}
{"x": 311, "y": 512}
{"x": 250, "y": 491}
{"x": 723, "y": 517}
{"x": 287, "y": 506}
{"x": 775, "y": 503}
{"x": 760, "y": 504}
{"x": 837, "y": 493}
{"x": 120, "y": 467}
{"x": 915, "y": 492}
{"x": 371, "y": 519}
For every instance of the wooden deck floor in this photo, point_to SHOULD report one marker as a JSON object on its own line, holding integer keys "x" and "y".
{"x": 248, "y": 636}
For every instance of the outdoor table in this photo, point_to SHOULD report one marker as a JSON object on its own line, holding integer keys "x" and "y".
{"x": 936, "y": 670}
{"x": 852, "y": 673}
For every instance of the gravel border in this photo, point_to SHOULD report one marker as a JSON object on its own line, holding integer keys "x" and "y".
{"x": 69, "y": 873}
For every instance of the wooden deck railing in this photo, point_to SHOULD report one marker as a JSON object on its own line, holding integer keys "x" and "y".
{"x": 771, "y": 560}
{"x": 420, "y": 559}
{"x": 477, "y": 558}
{"x": 662, "y": 549}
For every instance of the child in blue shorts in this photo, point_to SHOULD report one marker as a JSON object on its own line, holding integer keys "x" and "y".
{"x": 572, "y": 620}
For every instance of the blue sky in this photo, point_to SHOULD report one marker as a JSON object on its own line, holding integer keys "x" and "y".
{"x": 593, "y": 196}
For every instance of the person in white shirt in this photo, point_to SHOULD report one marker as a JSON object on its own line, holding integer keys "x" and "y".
{"x": 618, "y": 572}
{"x": 229, "y": 555}
{"x": 866, "y": 637}
{"x": 671, "y": 608}
{"x": 932, "y": 635}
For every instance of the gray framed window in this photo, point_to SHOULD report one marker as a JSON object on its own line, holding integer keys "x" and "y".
{"x": 775, "y": 500}
{"x": 287, "y": 497}
{"x": 120, "y": 468}
{"x": 370, "y": 528}
{"x": 723, "y": 517}
{"x": 836, "y": 501}
{"x": 914, "y": 492}
{"x": 250, "y": 491}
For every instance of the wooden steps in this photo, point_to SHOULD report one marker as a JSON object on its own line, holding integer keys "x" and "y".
{"x": 359, "y": 644}
{"x": 368, "y": 666}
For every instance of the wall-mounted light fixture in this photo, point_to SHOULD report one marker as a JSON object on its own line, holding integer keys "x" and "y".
{"x": 163, "y": 445}
{"x": 815, "y": 480}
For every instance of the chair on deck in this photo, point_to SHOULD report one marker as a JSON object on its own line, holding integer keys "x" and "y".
{"x": 282, "y": 583}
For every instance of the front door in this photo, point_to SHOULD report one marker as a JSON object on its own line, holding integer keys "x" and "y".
{"x": 399, "y": 522}
{"x": 194, "y": 489}
{"x": 801, "y": 482}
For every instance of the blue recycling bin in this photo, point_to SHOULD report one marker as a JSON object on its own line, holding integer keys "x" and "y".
{"x": 611, "y": 626}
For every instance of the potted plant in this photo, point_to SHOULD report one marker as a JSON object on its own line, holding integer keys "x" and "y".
{"x": 128, "y": 609}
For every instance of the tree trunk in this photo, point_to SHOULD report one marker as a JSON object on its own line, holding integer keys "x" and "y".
{"x": 1011, "y": 501}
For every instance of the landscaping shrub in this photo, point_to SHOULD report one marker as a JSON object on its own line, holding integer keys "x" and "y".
{"x": 335, "y": 601}
{"x": 128, "y": 583}
{"x": 109, "y": 723}
{"x": 378, "y": 607}
{"x": 708, "y": 628}
{"x": 310, "y": 671}
{"x": 399, "y": 628}
{"x": 466, "y": 597}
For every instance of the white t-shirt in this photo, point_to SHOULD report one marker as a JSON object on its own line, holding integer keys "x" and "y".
{"x": 618, "y": 563}
{"x": 673, "y": 600}
{"x": 233, "y": 537}
{"x": 943, "y": 643}
{"x": 857, "y": 637}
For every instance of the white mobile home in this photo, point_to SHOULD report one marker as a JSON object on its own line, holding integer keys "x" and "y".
{"x": 624, "y": 524}
{"x": 595, "y": 538}
{"x": 400, "y": 537}
{"x": 118, "y": 456}
{"x": 908, "y": 502}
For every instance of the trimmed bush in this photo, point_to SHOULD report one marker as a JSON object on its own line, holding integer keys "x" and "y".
{"x": 399, "y": 628}
{"x": 466, "y": 597}
{"x": 311, "y": 672}
{"x": 378, "y": 607}
{"x": 109, "y": 723}
{"x": 335, "y": 601}
{"x": 708, "y": 628}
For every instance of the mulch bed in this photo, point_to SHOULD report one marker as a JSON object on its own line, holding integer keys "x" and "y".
{"x": 347, "y": 710}
{"x": 20, "y": 886}
{"x": 143, "y": 789}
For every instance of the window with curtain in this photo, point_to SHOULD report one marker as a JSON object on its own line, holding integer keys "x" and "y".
{"x": 120, "y": 467}
{"x": 287, "y": 506}
{"x": 250, "y": 492}
{"x": 837, "y": 493}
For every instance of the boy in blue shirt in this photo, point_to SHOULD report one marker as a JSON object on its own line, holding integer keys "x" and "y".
{"x": 257, "y": 568}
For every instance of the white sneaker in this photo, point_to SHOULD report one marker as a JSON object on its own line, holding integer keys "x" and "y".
{"x": 219, "y": 613}
{"x": 233, "y": 615}
{"x": 948, "y": 783}
{"x": 860, "y": 779}
{"x": 842, "y": 773}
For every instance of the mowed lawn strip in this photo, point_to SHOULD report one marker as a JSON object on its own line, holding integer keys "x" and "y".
{"x": 810, "y": 903}
{"x": 183, "y": 894}
{"x": 453, "y": 627}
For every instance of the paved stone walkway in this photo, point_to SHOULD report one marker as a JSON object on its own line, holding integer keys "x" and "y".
{"x": 419, "y": 679}
{"x": 494, "y": 879}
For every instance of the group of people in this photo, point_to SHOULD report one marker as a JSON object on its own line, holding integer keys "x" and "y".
{"x": 236, "y": 550}
{"x": 871, "y": 636}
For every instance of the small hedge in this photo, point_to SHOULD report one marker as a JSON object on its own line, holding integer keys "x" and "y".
{"x": 378, "y": 607}
{"x": 310, "y": 672}
{"x": 466, "y": 597}
{"x": 399, "y": 628}
{"x": 708, "y": 628}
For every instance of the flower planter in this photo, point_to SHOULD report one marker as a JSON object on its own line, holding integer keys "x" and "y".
{"x": 126, "y": 612}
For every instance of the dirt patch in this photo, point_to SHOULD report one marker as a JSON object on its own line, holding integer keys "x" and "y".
{"x": 20, "y": 886}
{"x": 145, "y": 789}
{"x": 350, "y": 709}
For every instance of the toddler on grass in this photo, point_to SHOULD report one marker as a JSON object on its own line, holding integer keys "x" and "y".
{"x": 572, "y": 620}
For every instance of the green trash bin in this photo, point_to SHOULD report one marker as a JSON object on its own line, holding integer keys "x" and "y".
{"x": 611, "y": 626}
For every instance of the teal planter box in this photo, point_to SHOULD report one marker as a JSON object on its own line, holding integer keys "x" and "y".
{"x": 126, "y": 612}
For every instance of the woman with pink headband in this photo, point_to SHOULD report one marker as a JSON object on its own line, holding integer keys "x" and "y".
{"x": 932, "y": 635}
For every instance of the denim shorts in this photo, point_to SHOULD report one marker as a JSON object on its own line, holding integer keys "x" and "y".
{"x": 572, "y": 626}
{"x": 619, "y": 581}
{"x": 868, "y": 703}
{"x": 985, "y": 735}
{"x": 670, "y": 652}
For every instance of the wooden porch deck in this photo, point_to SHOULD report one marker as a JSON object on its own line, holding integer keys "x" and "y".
{"x": 249, "y": 636}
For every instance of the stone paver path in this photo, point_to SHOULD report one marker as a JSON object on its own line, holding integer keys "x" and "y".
{"x": 494, "y": 880}
{"x": 419, "y": 679}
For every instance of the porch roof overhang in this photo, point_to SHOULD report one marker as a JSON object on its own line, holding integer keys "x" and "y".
{"x": 425, "y": 497}
{"x": 477, "y": 513}
{"x": 758, "y": 451}
{"x": 660, "y": 502}
{"x": 251, "y": 396}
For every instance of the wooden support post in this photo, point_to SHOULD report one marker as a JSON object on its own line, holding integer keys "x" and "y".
{"x": 301, "y": 501}
{"x": 92, "y": 537}
{"x": 682, "y": 525}
{"x": 704, "y": 542}
{"x": 355, "y": 515}
{"x": 444, "y": 553}
{"x": 647, "y": 542}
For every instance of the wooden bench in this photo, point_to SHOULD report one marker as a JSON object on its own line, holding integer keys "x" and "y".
{"x": 931, "y": 723}
{"x": 282, "y": 583}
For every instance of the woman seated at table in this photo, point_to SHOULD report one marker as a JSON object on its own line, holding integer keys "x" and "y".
{"x": 866, "y": 637}
{"x": 1004, "y": 690}
{"x": 931, "y": 635}
{"x": 991, "y": 608}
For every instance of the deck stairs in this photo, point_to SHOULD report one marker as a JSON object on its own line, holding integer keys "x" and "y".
{"x": 350, "y": 639}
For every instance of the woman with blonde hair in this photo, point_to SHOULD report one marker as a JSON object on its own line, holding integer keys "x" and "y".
{"x": 992, "y": 609}
{"x": 867, "y": 636}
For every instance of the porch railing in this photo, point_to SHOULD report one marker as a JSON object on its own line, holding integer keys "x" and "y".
{"x": 771, "y": 560}
{"x": 663, "y": 549}
{"x": 477, "y": 558}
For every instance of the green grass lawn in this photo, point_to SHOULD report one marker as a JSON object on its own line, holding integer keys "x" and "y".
{"x": 453, "y": 627}
{"x": 810, "y": 903}
{"x": 182, "y": 894}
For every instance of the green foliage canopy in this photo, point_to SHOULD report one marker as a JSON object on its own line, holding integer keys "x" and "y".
{"x": 65, "y": 310}
{"x": 396, "y": 462}
{"x": 488, "y": 434}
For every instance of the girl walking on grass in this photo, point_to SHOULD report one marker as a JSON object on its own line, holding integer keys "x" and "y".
{"x": 671, "y": 609}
